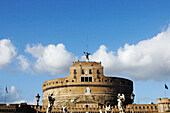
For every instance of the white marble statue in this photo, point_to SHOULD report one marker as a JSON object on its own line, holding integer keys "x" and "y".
{"x": 100, "y": 111}
{"x": 87, "y": 91}
{"x": 107, "y": 109}
{"x": 50, "y": 102}
{"x": 65, "y": 109}
{"x": 121, "y": 99}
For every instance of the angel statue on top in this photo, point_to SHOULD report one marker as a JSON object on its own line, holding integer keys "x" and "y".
{"x": 87, "y": 56}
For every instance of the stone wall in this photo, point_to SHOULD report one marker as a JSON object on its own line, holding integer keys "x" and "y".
{"x": 163, "y": 104}
{"x": 87, "y": 83}
{"x": 24, "y": 108}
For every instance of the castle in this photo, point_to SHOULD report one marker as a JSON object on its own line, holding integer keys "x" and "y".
{"x": 86, "y": 89}
{"x": 86, "y": 86}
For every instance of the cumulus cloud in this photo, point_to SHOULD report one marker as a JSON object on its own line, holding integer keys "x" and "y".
{"x": 7, "y": 52}
{"x": 23, "y": 62}
{"x": 13, "y": 95}
{"x": 52, "y": 58}
{"x": 149, "y": 59}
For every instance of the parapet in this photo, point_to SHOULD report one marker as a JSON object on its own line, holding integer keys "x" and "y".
{"x": 90, "y": 63}
{"x": 163, "y": 100}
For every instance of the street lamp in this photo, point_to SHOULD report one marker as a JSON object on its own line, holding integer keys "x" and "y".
{"x": 132, "y": 96}
{"x": 38, "y": 99}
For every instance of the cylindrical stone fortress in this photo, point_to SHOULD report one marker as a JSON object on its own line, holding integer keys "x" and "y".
{"x": 86, "y": 86}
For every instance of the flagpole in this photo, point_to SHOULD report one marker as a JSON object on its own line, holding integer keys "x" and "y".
{"x": 165, "y": 93}
{"x": 6, "y": 91}
{"x": 5, "y": 97}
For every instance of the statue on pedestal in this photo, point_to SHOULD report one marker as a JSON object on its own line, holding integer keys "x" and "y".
{"x": 100, "y": 111}
{"x": 64, "y": 109}
{"x": 87, "y": 56}
{"x": 121, "y": 100}
{"x": 107, "y": 109}
{"x": 50, "y": 102}
{"x": 132, "y": 96}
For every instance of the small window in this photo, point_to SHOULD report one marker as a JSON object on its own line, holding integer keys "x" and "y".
{"x": 61, "y": 81}
{"x": 49, "y": 83}
{"x": 155, "y": 107}
{"x": 74, "y": 71}
{"x": 105, "y": 80}
{"x": 151, "y": 107}
{"x": 117, "y": 81}
{"x": 72, "y": 80}
{"x": 112, "y": 90}
{"x": 90, "y": 79}
{"x": 56, "y": 82}
{"x": 111, "y": 81}
{"x": 99, "y": 80}
{"x": 86, "y": 79}
{"x": 147, "y": 106}
{"x": 98, "y": 72}
{"x": 75, "y": 76}
{"x": 82, "y": 79}
{"x": 53, "y": 82}
{"x": 121, "y": 82}
{"x": 98, "y": 76}
{"x": 66, "y": 80}
{"x": 44, "y": 85}
{"x": 90, "y": 72}
{"x": 82, "y": 71}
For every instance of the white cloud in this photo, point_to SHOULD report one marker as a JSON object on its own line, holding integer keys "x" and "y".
{"x": 34, "y": 102}
{"x": 7, "y": 52}
{"x": 52, "y": 59}
{"x": 23, "y": 62}
{"x": 13, "y": 95}
{"x": 149, "y": 59}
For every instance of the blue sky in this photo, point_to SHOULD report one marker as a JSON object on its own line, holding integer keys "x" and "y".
{"x": 36, "y": 27}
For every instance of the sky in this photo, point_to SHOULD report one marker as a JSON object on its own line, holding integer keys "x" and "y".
{"x": 40, "y": 39}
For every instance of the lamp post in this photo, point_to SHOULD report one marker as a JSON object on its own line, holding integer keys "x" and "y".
{"x": 37, "y": 99}
{"x": 132, "y": 96}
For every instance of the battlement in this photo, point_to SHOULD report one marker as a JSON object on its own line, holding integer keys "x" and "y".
{"x": 83, "y": 63}
{"x": 163, "y": 104}
{"x": 147, "y": 108}
{"x": 163, "y": 100}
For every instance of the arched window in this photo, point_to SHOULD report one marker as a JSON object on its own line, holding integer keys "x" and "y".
{"x": 75, "y": 71}
{"x": 82, "y": 71}
{"x": 98, "y": 72}
{"x": 90, "y": 79}
{"x": 90, "y": 72}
